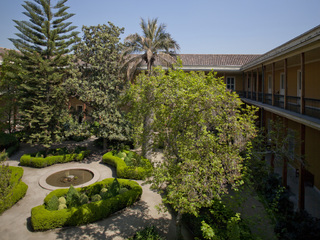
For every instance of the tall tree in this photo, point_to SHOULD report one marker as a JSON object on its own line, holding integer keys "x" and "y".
{"x": 44, "y": 42}
{"x": 154, "y": 44}
{"x": 102, "y": 83}
{"x": 204, "y": 130}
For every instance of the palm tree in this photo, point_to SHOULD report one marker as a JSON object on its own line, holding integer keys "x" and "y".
{"x": 154, "y": 43}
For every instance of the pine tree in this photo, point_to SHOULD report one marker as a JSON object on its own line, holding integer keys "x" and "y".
{"x": 44, "y": 42}
{"x": 102, "y": 82}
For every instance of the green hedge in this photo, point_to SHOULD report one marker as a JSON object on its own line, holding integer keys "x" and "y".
{"x": 18, "y": 191}
{"x": 124, "y": 171}
{"x": 40, "y": 162}
{"x": 43, "y": 219}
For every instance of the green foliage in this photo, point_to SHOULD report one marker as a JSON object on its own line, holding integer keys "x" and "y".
{"x": 73, "y": 197}
{"x": 44, "y": 159}
{"x": 43, "y": 219}
{"x": 115, "y": 187}
{"x": 9, "y": 92}
{"x": 84, "y": 199}
{"x": 96, "y": 198}
{"x": 53, "y": 203}
{"x": 204, "y": 128}
{"x": 123, "y": 190}
{"x": 218, "y": 222}
{"x": 43, "y": 42}
{"x": 62, "y": 206}
{"x": 124, "y": 171}
{"x": 148, "y": 233}
{"x": 101, "y": 85}
{"x": 12, "y": 189}
{"x": 154, "y": 43}
{"x": 8, "y": 142}
{"x": 62, "y": 200}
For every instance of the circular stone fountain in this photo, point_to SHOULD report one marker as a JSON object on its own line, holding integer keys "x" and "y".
{"x": 78, "y": 177}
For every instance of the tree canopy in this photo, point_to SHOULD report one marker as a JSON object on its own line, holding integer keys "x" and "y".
{"x": 101, "y": 83}
{"x": 204, "y": 129}
{"x": 154, "y": 43}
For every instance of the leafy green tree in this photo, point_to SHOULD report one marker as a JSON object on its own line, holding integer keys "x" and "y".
{"x": 10, "y": 76}
{"x": 102, "y": 84}
{"x": 44, "y": 42}
{"x": 154, "y": 44}
{"x": 204, "y": 129}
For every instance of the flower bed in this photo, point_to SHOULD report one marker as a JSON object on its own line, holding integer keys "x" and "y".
{"x": 17, "y": 192}
{"x": 76, "y": 213}
{"x": 128, "y": 164}
{"x": 59, "y": 155}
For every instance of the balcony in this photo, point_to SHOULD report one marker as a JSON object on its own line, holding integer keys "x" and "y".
{"x": 293, "y": 103}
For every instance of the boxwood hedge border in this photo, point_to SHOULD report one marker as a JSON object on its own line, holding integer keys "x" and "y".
{"x": 18, "y": 191}
{"x": 128, "y": 172}
{"x": 40, "y": 162}
{"x": 43, "y": 219}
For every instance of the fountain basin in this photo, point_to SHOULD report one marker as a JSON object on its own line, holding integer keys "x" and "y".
{"x": 77, "y": 177}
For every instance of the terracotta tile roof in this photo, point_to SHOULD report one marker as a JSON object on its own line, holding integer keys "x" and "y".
{"x": 216, "y": 59}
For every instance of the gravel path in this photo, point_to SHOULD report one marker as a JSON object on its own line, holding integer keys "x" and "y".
{"x": 15, "y": 222}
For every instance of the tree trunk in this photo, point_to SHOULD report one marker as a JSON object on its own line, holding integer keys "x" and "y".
{"x": 179, "y": 226}
{"x": 147, "y": 141}
{"x": 104, "y": 144}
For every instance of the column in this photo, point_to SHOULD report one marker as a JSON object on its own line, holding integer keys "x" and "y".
{"x": 301, "y": 170}
{"x": 285, "y": 83}
{"x": 273, "y": 82}
{"x": 251, "y": 84}
{"x": 257, "y": 85}
{"x": 302, "y": 101}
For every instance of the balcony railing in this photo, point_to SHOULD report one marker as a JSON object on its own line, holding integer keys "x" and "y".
{"x": 278, "y": 100}
{"x": 293, "y": 104}
{"x": 312, "y": 106}
{"x": 268, "y": 98}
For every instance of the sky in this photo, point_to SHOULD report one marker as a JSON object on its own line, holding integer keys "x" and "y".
{"x": 199, "y": 26}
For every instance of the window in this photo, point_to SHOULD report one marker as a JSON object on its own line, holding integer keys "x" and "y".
{"x": 299, "y": 83}
{"x": 282, "y": 83}
{"x": 231, "y": 84}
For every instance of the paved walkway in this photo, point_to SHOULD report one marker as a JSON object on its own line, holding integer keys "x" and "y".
{"x": 15, "y": 222}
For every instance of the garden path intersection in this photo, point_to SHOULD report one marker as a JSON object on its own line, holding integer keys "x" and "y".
{"x": 15, "y": 222}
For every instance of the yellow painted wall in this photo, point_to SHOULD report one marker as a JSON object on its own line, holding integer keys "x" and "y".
{"x": 292, "y": 80}
{"x": 312, "y": 80}
{"x": 313, "y": 154}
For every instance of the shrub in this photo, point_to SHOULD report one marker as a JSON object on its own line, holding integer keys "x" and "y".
{"x": 43, "y": 219}
{"x": 17, "y": 191}
{"x": 125, "y": 171}
{"x": 8, "y": 142}
{"x": 62, "y": 200}
{"x": 43, "y": 159}
{"x": 53, "y": 204}
{"x": 96, "y": 198}
{"x": 149, "y": 233}
{"x": 73, "y": 197}
{"x": 84, "y": 199}
{"x": 220, "y": 220}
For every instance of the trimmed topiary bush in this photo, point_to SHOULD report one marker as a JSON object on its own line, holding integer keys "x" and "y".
{"x": 43, "y": 219}
{"x": 123, "y": 170}
{"x": 18, "y": 191}
{"x": 60, "y": 155}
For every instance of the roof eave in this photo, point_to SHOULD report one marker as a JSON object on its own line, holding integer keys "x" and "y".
{"x": 302, "y": 40}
